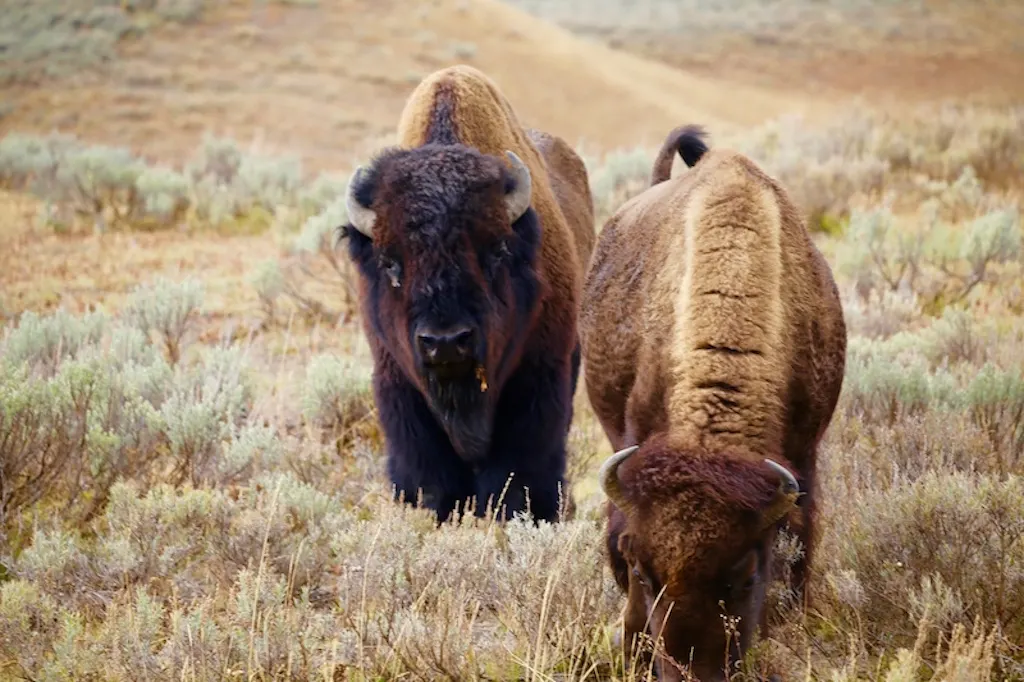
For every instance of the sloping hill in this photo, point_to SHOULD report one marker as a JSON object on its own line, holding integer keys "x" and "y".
{"x": 891, "y": 53}
{"x": 326, "y": 82}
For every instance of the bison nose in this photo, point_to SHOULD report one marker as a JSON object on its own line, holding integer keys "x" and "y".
{"x": 448, "y": 346}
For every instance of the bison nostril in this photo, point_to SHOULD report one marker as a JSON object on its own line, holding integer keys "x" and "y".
{"x": 450, "y": 345}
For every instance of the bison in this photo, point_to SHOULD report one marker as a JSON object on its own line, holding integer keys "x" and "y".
{"x": 714, "y": 347}
{"x": 470, "y": 238}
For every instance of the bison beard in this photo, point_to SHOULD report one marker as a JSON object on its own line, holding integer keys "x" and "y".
{"x": 529, "y": 425}
{"x": 465, "y": 413}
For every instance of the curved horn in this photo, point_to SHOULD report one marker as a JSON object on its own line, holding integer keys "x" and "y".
{"x": 609, "y": 476}
{"x": 785, "y": 496}
{"x": 519, "y": 200}
{"x": 361, "y": 217}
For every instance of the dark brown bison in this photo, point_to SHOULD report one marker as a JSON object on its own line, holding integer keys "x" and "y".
{"x": 470, "y": 238}
{"x": 714, "y": 346}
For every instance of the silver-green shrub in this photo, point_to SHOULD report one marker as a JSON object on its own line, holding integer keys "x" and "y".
{"x": 166, "y": 310}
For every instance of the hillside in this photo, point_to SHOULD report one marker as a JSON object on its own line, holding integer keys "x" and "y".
{"x": 316, "y": 82}
{"x": 896, "y": 53}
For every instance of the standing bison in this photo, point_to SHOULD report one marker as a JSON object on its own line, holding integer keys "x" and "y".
{"x": 470, "y": 238}
{"x": 714, "y": 345}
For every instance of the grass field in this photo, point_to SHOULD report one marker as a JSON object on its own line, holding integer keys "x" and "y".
{"x": 191, "y": 473}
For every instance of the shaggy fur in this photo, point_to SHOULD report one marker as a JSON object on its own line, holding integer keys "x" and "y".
{"x": 443, "y": 254}
{"x": 713, "y": 337}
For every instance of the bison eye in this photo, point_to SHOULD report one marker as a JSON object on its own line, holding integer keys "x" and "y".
{"x": 743, "y": 587}
{"x": 393, "y": 270}
{"x": 645, "y": 579}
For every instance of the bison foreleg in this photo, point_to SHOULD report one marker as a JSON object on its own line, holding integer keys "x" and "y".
{"x": 530, "y": 430}
{"x": 421, "y": 463}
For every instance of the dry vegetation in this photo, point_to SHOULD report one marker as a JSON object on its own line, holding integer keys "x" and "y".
{"x": 191, "y": 477}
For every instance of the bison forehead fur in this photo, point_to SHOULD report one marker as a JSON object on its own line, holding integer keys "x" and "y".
{"x": 431, "y": 193}
{"x": 714, "y": 340}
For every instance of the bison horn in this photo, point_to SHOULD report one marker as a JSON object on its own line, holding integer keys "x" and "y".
{"x": 785, "y": 496}
{"x": 361, "y": 217}
{"x": 519, "y": 200}
{"x": 609, "y": 476}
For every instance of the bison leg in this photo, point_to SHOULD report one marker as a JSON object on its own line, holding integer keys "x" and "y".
{"x": 575, "y": 369}
{"x": 636, "y": 656}
{"x": 421, "y": 463}
{"x": 634, "y": 615}
{"x": 805, "y": 531}
{"x": 577, "y": 355}
{"x": 530, "y": 429}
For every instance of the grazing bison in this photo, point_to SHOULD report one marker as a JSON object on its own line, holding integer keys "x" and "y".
{"x": 714, "y": 346}
{"x": 470, "y": 238}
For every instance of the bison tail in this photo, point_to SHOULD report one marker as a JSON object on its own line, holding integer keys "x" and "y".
{"x": 688, "y": 142}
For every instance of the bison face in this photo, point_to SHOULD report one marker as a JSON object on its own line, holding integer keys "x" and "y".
{"x": 445, "y": 243}
{"x": 697, "y": 541}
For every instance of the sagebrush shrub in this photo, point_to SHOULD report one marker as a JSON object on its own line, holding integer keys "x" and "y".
{"x": 336, "y": 393}
{"x": 167, "y": 310}
{"x": 87, "y": 402}
{"x": 222, "y": 186}
{"x": 885, "y": 544}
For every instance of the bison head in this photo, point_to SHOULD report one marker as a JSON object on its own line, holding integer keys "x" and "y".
{"x": 697, "y": 532}
{"x": 445, "y": 243}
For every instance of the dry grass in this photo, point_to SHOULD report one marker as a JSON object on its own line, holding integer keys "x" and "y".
{"x": 191, "y": 477}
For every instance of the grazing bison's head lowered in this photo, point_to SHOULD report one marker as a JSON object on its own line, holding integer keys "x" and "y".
{"x": 696, "y": 533}
{"x": 445, "y": 241}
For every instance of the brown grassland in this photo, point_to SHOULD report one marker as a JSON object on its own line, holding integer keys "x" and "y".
{"x": 191, "y": 474}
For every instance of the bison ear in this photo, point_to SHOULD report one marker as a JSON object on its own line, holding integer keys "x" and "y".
{"x": 518, "y": 200}
{"x": 625, "y": 545}
{"x": 362, "y": 217}
{"x": 785, "y": 496}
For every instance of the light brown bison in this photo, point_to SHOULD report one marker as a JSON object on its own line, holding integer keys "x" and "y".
{"x": 713, "y": 346}
{"x": 470, "y": 238}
